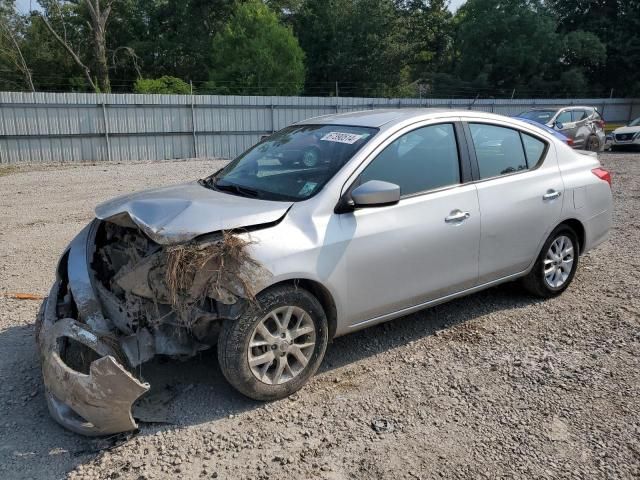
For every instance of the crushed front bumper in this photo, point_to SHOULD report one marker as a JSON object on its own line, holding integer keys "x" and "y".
{"x": 99, "y": 400}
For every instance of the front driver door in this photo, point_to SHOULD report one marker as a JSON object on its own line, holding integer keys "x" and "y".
{"x": 422, "y": 248}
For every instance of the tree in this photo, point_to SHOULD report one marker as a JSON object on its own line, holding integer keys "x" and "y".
{"x": 504, "y": 43}
{"x": 164, "y": 85}
{"x": 169, "y": 37}
{"x": 355, "y": 42}
{"x": 616, "y": 23}
{"x": 428, "y": 34}
{"x": 97, "y": 14}
{"x": 11, "y": 37}
{"x": 255, "y": 54}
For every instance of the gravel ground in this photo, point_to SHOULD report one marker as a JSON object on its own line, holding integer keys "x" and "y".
{"x": 493, "y": 385}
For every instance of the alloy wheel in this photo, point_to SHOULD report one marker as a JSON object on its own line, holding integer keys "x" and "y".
{"x": 281, "y": 345}
{"x": 558, "y": 262}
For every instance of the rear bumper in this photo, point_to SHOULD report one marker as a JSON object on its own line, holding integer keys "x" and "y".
{"x": 98, "y": 400}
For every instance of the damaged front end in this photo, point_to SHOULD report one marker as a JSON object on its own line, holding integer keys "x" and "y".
{"x": 119, "y": 300}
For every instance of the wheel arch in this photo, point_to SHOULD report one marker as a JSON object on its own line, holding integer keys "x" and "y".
{"x": 577, "y": 226}
{"x": 322, "y": 294}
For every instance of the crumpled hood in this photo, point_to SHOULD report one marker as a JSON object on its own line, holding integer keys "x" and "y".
{"x": 179, "y": 213}
{"x": 623, "y": 130}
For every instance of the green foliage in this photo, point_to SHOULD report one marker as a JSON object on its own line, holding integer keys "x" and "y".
{"x": 509, "y": 41}
{"x": 370, "y": 47}
{"x": 165, "y": 84}
{"x": 255, "y": 54}
{"x": 616, "y": 23}
{"x": 355, "y": 42}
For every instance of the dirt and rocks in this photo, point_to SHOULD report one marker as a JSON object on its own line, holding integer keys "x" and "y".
{"x": 497, "y": 384}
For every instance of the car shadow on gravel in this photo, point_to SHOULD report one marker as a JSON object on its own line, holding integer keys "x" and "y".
{"x": 35, "y": 446}
{"x": 32, "y": 445}
{"x": 206, "y": 396}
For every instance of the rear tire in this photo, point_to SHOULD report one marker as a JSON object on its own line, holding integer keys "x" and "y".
{"x": 593, "y": 143}
{"x": 556, "y": 264}
{"x": 273, "y": 349}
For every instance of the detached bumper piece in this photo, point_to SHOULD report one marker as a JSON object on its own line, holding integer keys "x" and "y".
{"x": 87, "y": 389}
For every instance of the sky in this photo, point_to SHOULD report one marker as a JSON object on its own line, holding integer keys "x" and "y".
{"x": 23, "y": 5}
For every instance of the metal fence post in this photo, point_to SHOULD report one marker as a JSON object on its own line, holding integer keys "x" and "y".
{"x": 105, "y": 120}
{"x": 193, "y": 124}
{"x": 273, "y": 118}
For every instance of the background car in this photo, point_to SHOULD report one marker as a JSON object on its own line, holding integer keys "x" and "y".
{"x": 562, "y": 137}
{"x": 583, "y": 125}
{"x": 626, "y": 136}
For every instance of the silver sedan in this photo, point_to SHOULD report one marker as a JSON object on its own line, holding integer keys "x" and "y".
{"x": 326, "y": 227}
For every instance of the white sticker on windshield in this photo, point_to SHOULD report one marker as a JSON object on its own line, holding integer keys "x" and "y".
{"x": 307, "y": 189}
{"x": 341, "y": 137}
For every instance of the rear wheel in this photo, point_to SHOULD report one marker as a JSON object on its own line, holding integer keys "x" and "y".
{"x": 276, "y": 345}
{"x": 556, "y": 264}
{"x": 593, "y": 143}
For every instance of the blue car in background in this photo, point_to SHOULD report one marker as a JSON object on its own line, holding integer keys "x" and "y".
{"x": 556, "y": 133}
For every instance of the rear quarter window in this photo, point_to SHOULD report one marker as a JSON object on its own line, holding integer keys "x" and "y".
{"x": 534, "y": 149}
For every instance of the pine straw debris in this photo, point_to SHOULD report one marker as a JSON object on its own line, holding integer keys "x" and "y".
{"x": 221, "y": 269}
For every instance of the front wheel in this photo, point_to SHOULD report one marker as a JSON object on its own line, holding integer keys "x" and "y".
{"x": 556, "y": 264}
{"x": 276, "y": 345}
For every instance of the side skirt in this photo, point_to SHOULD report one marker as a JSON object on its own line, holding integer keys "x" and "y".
{"x": 431, "y": 303}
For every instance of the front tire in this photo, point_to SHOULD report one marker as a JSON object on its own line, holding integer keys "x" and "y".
{"x": 273, "y": 349}
{"x": 556, "y": 264}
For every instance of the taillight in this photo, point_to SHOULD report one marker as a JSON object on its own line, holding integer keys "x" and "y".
{"x": 602, "y": 174}
{"x": 570, "y": 142}
{"x": 601, "y": 124}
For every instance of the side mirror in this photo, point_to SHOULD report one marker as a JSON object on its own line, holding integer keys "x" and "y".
{"x": 375, "y": 193}
{"x": 558, "y": 125}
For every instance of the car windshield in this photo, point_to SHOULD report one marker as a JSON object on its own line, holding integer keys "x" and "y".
{"x": 635, "y": 123}
{"x": 292, "y": 164}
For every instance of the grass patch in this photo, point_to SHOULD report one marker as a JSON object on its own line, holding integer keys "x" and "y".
{"x": 8, "y": 170}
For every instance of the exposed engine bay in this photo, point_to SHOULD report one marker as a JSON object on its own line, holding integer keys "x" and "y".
{"x": 121, "y": 299}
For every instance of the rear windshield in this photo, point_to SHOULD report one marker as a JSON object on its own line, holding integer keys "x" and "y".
{"x": 540, "y": 116}
{"x": 292, "y": 164}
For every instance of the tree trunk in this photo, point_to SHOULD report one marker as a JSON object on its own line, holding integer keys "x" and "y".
{"x": 99, "y": 14}
{"x": 99, "y": 18}
{"x": 102, "y": 68}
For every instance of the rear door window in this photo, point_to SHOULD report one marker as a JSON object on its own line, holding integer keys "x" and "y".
{"x": 421, "y": 160}
{"x": 499, "y": 150}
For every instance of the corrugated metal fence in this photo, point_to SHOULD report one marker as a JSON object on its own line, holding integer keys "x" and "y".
{"x": 55, "y": 127}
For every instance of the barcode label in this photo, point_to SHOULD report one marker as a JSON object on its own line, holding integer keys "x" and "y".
{"x": 340, "y": 137}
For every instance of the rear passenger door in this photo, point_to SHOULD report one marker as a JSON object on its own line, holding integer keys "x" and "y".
{"x": 520, "y": 193}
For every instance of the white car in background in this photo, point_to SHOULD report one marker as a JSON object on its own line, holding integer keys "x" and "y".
{"x": 625, "y": 136}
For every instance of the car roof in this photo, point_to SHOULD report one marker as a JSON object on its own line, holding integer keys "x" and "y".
{"x": 381, "y": 117}
{"x": 558, "y": 108}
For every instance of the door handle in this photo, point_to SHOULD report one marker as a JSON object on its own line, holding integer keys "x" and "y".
{"x": 551, "y": 195}
{"x": 457, "y": 216}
